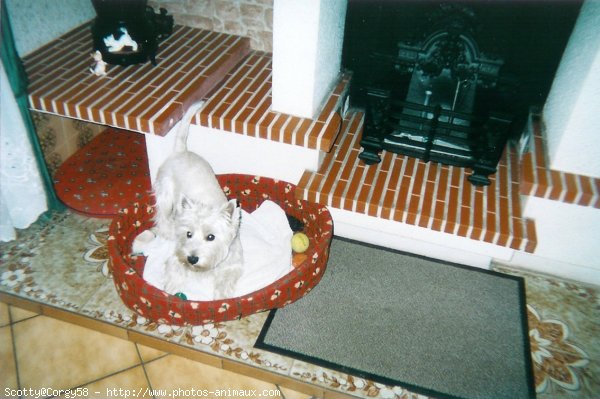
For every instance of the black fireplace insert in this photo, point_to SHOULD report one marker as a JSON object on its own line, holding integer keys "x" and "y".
{"x": 438, "y": 81}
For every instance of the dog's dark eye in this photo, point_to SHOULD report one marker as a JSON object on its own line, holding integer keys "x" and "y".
{"x": 189, "y": 234}
{"x": 210, "y": 237}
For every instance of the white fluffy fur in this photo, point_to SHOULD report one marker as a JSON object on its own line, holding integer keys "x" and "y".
{"x": 192, "y": 210}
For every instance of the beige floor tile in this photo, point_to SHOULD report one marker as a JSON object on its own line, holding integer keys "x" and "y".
{"x": 4, "y": 317}
{"x": 52, "y": 353}
{"x": 290, "y": 394}
{"x": 148, "y": 354}
{"x": 8, "y": 370}
{"x": 128, "y": 383}
{"x": 176, "y": 374}
{"x": 18, "y": 314}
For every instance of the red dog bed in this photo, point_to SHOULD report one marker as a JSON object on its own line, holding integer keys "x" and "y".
{"x": 251, "y": 191}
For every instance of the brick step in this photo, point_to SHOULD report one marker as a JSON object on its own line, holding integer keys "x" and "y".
{"x": 242, "y": 105}
{"x": 539, "y": 180}
{"x": 430, "y": 195}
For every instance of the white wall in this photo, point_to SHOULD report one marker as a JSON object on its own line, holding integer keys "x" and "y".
{"x": 567, "y": 234}
{"x": 307, "y": 48}
{"x": 567, "y": 240}
{"x": 572, "y": 111}
{"x": 37, "y": 22}
{"x": 235, "y": 153}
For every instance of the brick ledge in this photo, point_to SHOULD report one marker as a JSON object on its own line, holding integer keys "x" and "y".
{"x": 242, "y": 105}
{"x": 538, "y": 180}
{"x": 429, "y": 195}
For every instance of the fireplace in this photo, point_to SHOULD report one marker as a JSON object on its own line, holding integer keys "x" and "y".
{"x": 451, "y": 82}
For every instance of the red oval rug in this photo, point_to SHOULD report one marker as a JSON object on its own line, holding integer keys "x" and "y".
{"x": 107, "y": 174}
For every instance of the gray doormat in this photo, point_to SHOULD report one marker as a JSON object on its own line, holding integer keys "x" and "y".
{"x": 434, "y": 328}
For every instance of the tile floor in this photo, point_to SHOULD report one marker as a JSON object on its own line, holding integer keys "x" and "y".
{"x": 41, "y": 352}
{"x": 85, "y": 339}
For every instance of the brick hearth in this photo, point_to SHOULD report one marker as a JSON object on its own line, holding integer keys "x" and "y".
{"x": 144, "y": 98}
{"x": 434, "y": 196}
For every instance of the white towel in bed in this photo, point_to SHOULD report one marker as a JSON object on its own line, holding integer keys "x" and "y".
{"x": 266, "y": 241}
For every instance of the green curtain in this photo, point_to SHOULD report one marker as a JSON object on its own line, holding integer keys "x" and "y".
{"x": 18, "y": 82}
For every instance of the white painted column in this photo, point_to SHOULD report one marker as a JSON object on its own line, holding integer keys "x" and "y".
{"x": 307, "y": 48}
{"x": 572, "y": 110}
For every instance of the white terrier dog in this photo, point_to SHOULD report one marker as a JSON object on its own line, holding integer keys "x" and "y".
{"x": 192, "y": 211}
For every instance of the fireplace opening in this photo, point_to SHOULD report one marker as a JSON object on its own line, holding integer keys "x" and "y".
{"x": 451, "y": 82}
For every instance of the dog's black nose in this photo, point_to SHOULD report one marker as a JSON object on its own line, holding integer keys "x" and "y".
{"x": 192, "y": 259}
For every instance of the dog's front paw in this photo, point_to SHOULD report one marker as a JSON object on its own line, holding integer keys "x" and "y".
{"x": 140, "y": 243}
{"x": 227, "y": 291}
{"x": 227, "y": 285}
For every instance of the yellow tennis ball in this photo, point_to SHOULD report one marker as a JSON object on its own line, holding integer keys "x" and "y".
{"x": 300, "y": 242}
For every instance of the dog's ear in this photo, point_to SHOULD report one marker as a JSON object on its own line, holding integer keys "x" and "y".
{"x": 185, "y": 202}
{"x": 232, "y": 209}
{"x": 229, "y": 207}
